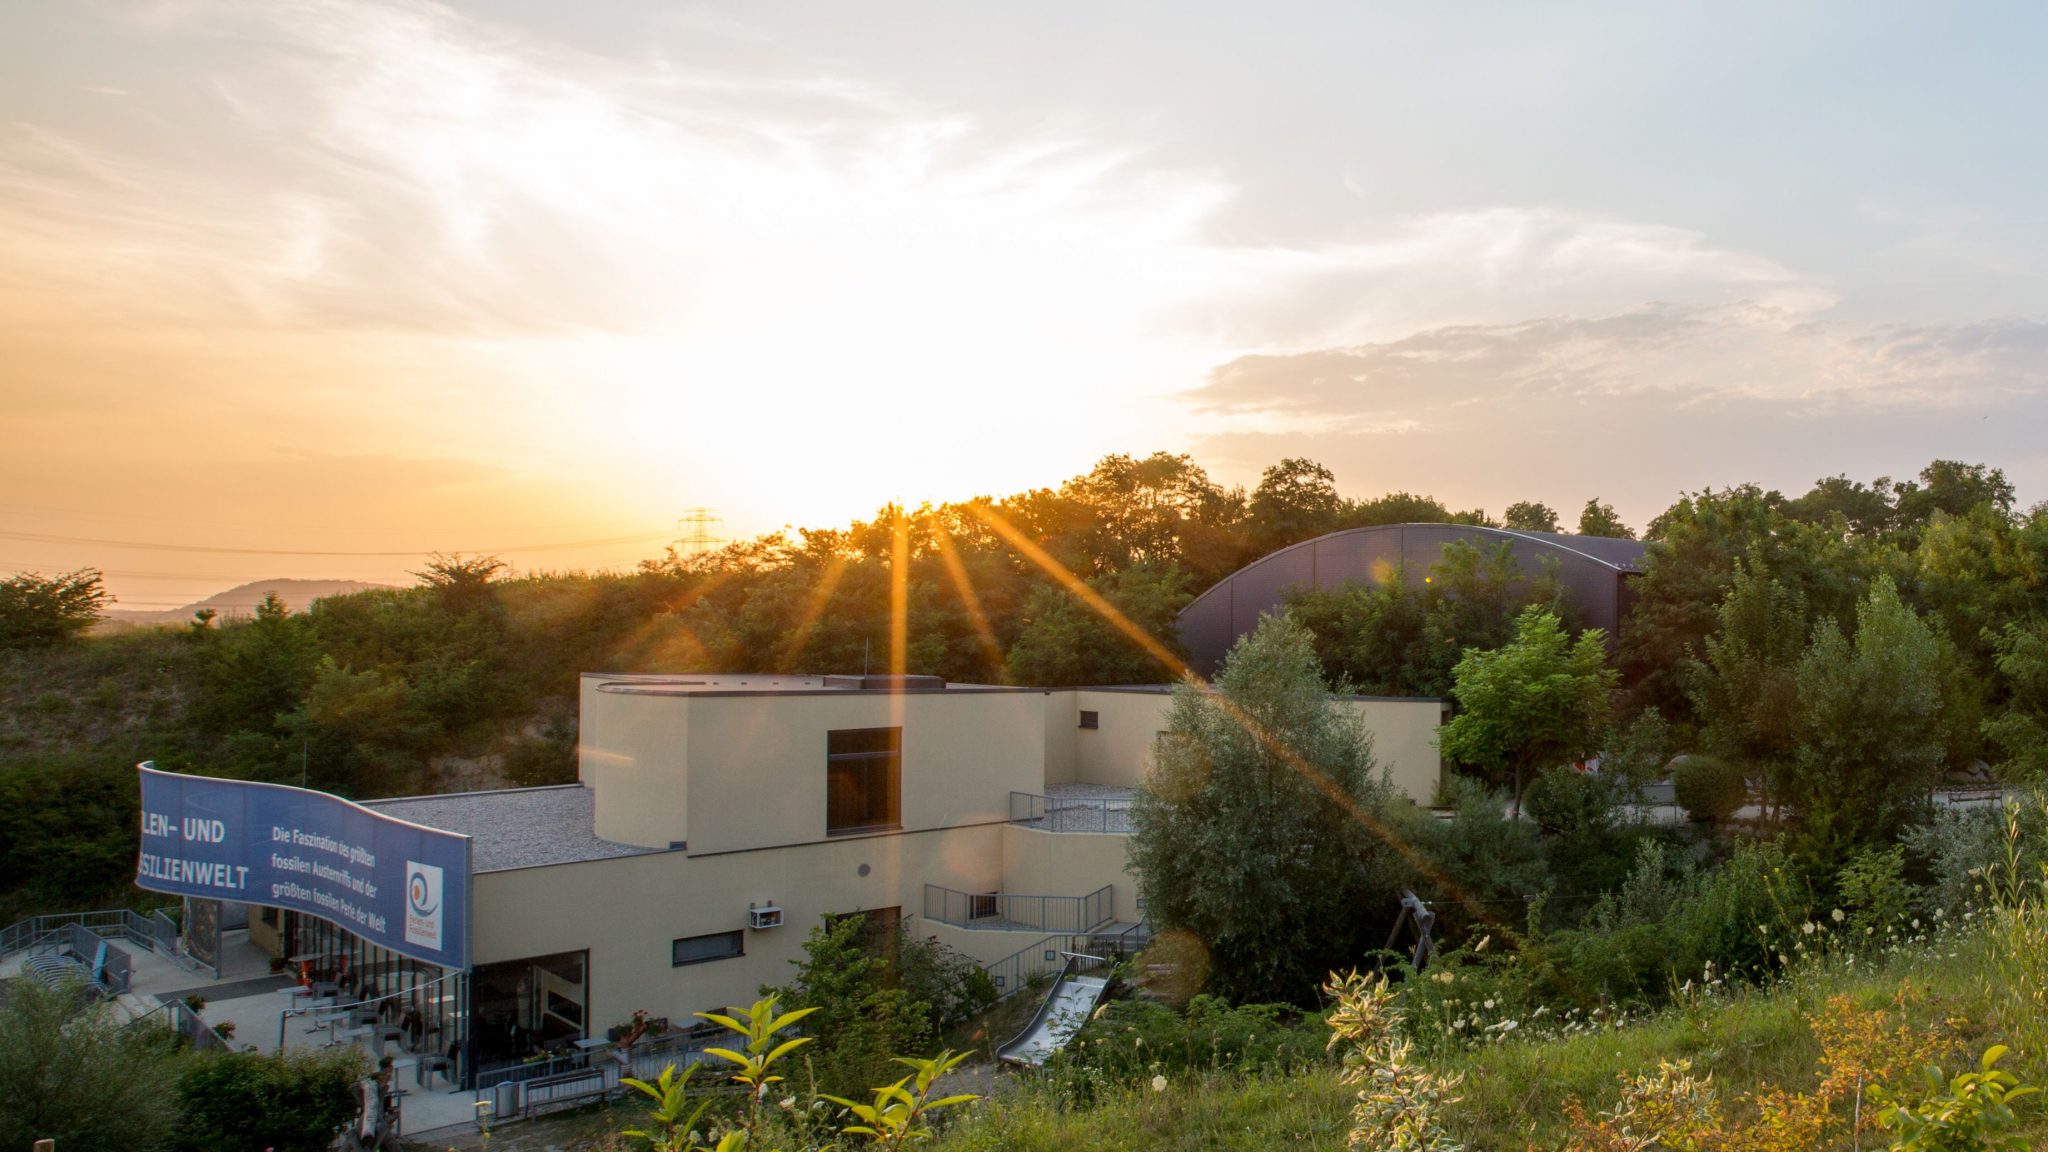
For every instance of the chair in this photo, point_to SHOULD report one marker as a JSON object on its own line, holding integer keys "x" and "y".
{"x": 424, "y": 1067}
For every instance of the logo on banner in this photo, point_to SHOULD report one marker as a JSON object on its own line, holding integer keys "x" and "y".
{"x": 422, "y": 905}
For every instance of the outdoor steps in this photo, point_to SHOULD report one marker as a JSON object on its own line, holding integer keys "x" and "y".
{"x": 133, "y": 1006}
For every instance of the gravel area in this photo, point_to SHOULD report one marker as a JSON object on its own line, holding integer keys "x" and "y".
{"x": 515, "y": 827}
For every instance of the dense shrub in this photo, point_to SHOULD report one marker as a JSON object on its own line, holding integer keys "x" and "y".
{"x": 1669, "y": 923}
{"x": 1708, "y": 788}
{"x": 70, "y": 1072}
{"x": 296, "y": 1102}
{"x": 877, "y": 995}
{"x": 1966, "y": 851}
{"x": 1134, "y": 1040}
{"x": 1478, "y": 869}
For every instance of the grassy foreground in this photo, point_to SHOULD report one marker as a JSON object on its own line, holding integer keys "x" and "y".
{"x": 1975, "y": 988}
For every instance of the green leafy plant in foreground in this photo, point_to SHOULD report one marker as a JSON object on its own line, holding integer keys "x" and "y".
{"x": 897, "y": 1116}
{"x": 670, "y": 1094}
{"x": 1959, "y": 1115}
{"x": 761, "y": 1029}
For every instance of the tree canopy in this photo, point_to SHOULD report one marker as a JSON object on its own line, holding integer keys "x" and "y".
{"x": 1254, "y": 832}
{"x": 1537, "y": 701}
{"x": 38, "y": 611}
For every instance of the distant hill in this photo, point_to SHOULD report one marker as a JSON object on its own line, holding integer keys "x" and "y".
{"x": 242, "y": 600}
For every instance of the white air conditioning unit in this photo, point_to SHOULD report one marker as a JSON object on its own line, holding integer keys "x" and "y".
{"x": 768, "y": 916}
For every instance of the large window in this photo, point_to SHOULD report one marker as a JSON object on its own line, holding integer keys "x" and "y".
{"x": 716, "y": 946}
{"x": 863, "y": 779}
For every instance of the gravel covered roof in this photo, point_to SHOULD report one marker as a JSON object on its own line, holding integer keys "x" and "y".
{"x": 515, "y": 827}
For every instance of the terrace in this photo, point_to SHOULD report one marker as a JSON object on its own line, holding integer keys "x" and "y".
{"x": 1074, "y": 808}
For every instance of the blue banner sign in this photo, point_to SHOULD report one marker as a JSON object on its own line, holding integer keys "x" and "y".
{"x": 394, "y": 883}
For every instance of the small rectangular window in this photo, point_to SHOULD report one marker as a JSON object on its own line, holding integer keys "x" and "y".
{"x": 716, "y": 946}
{"x": 1091, "y": 719}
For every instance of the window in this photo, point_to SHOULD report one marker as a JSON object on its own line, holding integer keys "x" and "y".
{"x": 863, "y": 779}
{"x": 698, "y": 949}
{"x": 1091, "y": 719}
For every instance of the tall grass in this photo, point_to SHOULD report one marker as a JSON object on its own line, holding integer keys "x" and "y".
{"x": 1979, "y": 982}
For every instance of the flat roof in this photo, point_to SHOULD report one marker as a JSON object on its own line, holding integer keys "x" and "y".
{"x": 515, "y": 827}
{"x": 762, "y": 683}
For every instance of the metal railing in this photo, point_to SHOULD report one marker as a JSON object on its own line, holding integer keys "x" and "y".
{"x": 1003, "y": 910}
{"x": 1015, "y": 972}
{"x": 645, "y": 1061}
{"x": 180, "y": 1018}
{"x": 154, "y": 931}
{"x": 1071, "y": 813}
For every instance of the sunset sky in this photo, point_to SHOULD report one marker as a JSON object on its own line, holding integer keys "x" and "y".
{"x": 369, "y": 280}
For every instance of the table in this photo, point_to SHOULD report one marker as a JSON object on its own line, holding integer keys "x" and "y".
{"x": 348, "y": 1034}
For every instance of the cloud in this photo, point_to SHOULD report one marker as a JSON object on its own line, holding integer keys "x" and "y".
{"x": 1639, "y": 405}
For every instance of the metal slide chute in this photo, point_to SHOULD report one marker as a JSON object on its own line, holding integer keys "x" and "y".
{"x": 1074, "y": 996}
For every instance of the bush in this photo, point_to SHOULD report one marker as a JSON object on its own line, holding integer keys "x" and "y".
{"x": 877, "y": 995}
{"x": 1709, "y": 789}
{"x": 70, "y": 1072}
{"x": 1135, "y": 1040}
{"x": 297, "y": 1102}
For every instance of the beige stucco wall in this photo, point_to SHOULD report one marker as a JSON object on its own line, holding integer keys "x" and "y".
{"x": 1404, "y": 742}
{"x": 757, "y": 763}
{"x": 631, "y": 750}
{"x": 626, "y": 911}
{"x": 1037, "y": 863}
{"x": 1119, "y": 752}
{"x": 1060, "y": 717}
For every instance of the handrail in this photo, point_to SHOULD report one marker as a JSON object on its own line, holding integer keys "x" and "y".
{"x": 1011, "y": 912}
{"x": 155, "y": 932}
{"x": 1106, "y": 814}
{"x": 642, "y": 1059}
{"x": 1014, "y": 972}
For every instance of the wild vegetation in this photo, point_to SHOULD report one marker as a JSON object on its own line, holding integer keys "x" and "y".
{"x": 70, "y": 1071}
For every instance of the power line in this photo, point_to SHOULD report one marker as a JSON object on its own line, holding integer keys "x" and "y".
{"x": 42, "y": 538}
{"x": 80, "y": 514}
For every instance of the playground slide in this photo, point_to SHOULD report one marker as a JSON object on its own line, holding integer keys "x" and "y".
{"x": 1067, "y": 1007}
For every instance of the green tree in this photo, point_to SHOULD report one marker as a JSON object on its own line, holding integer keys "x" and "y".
{"x": 864, "y": 1013}
{"x": 1255, "y": 832}
{"x": 1868, "y": 728}
{"x": 37, "y": 611}
{"x": 1953, "y": 487}
{"x": 1538, "y": 701}
{"x": 1746, "y": 692}
{"x": 1065, "y": 641}
{"x": 2020, "y": 728}
{"x": 294, "y": 1102}
{"x": 1529, "y": 516}
{"x": 71, "y": 1072}
{"x": 1598, "y": 519}
{"x": 1296, "y": 500}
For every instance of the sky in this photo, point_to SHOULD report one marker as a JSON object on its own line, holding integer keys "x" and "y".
{"x": 312, "y": 289}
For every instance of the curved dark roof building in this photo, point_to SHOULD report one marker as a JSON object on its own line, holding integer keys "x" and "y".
{"x": 1594, "y": 570}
